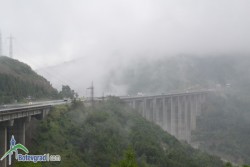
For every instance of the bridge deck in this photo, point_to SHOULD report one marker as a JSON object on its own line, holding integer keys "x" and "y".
{"x": 167, "y": 95}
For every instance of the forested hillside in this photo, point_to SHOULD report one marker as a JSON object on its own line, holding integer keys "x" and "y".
{"x": 100, "y": 136}
{"x": 223, "y": 129}
{"x": 18, "y": 81}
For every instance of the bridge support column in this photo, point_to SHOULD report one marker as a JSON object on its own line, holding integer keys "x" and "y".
{"x": 160, "y": 113}
{"x": 164, "y": 115}
{"x": 4, "y": 140}
{"x": 202, "y": 99}
{"x": 139, "y": 104}
{"x": 173, "y": 117}
{"x": 19, "y": 130}
{"x": 144, "y": 108}
{"x": 147, "y": 109}
{"x": 182, "y": 122}
{"x": 168, "y": 114}
{"x": 151, "y": 109}
{"x": 156, "y": 111}
{"x": 185, "y": 118}
{"x": 186, "y": 126}
{"x": 198, "y": 105}
{"x": 193, "y": 113}
{"x": 178, "y": 118}
{"x": 45, "y": 112}
{"x": 134, "y": 104}
{"x": 196, "y": 99}
{"x": 189, "y": 117}
{"x": 3, "y": 144}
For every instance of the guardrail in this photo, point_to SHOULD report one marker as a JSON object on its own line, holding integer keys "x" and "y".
{"x": 7, "y": 108}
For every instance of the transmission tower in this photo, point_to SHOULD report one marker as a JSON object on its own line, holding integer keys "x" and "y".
{"x": 92, "y": 94}
{"x": 11, "y": 46}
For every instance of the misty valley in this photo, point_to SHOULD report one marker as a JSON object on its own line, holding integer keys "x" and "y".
{"x": 196, "y": 114}
{"x": 124, "y": 83}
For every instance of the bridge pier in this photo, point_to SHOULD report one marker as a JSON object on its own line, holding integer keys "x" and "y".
{"x": 189, "y": 118}
{"x": 157, "y": 111}
{"x": 181, "y": 118}
{"x": 151, "y": 110}
{"x": 164, "y": 115}
{"x": 3, "y": 144}
{"x": 4, "y": 126}
{"x": 18, "y": 130}
{"x": 147, "y": 111}
{"x": 144, "y": 108}
{"x": 154, "y": 110}
{"x": 13, "y": 122}
{"x": 173, "y": 117}
{"x": 175, "y": 113}
{"x": 192, "y": 113}
{"x": 43, "y": 114}
{"x": 134, "y": 104}
{"x": 185, "y": 120}
{"x": 201, "y": 101}
{"x": 168, "y": 114}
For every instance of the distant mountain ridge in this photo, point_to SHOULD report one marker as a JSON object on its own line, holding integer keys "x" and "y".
{"x": 18, "y": 81}
{"x": 184, "y": 72}
{"x": 79, "y": 73}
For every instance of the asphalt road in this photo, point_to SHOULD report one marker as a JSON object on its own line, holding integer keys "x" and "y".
{"x": 32, "y": 104}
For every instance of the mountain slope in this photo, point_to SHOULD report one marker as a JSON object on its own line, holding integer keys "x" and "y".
{"x": 223, "y": 129}
{"x": 183, "y": 72}
{"x": 18, "y": 81}
{"x": 79, "y": 73}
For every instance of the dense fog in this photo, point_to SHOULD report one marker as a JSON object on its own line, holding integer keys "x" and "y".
{"x": 90, "y": 38}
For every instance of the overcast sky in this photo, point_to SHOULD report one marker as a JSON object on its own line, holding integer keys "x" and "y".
{"x": 50, "y": 32}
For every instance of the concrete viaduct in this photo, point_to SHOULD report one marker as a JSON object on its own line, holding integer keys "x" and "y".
{"x": 175, "y": 113}
{"x": 14, "y": 118}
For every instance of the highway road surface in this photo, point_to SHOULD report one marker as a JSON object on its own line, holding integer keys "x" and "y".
{"x": 9, "y": 107}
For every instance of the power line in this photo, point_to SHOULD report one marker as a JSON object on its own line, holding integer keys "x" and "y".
{"x": 92, "y": 94}
{"x": 47, "y": 72}
{"x": 36, "y": 63}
